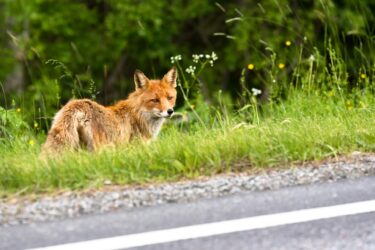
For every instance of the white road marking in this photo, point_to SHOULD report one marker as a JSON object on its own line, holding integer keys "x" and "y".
{"x": 217, "y": 228}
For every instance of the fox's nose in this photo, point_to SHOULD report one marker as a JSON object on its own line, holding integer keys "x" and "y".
{"x": 170, "y": 112}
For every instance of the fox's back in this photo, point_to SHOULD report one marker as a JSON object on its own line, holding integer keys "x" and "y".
{"x": 84, "y": 121}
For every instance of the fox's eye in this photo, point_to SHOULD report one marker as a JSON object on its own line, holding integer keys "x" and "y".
{"x": 170, "y": 98}
{"x": 156, "y": 100}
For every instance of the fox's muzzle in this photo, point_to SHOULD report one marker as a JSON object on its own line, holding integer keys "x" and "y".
{"x": 170, "y": 112}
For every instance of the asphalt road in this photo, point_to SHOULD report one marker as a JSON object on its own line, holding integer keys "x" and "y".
{"x": 355, "y": 231}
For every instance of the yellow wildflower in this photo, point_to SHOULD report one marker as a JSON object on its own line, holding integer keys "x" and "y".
{"x": 331, "y": 93}
{"x": 281, "y": 65}
{"x": 288, "y": 43}
{"x": 31, "y": 142}
{"x": 35, "y": 124}
{"x": 250, "y": 66}
{"x": 363, "y": 76}
{"x": 18, "y": 110}
{"x": 349, "y": 105}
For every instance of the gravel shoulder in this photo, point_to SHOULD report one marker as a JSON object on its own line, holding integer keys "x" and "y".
{"x": 22, "y": 210}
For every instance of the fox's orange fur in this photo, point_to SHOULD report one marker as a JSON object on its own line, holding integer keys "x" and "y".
{"x": 86, "y": 123}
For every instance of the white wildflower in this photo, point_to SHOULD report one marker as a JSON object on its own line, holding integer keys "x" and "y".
{"x": 176, "y": 58}
{"x": 191, "y": 70}
{"x": 256, "y": 92}
{"x": 195, "y": 58}
{"x": 214, "y": 56}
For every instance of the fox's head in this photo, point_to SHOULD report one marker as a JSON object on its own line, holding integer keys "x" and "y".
{"x": 157, "y": 97}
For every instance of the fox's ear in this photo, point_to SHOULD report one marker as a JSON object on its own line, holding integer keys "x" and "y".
{"x": 171, "y": 77}
{"x": 140, "y": 79}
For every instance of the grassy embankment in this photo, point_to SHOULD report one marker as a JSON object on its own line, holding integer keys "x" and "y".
{"x": 305, "y": 127}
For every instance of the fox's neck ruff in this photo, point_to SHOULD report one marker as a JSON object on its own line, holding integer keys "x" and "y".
{"x": 145, "y": 122}
{"x": 152, "y": 124}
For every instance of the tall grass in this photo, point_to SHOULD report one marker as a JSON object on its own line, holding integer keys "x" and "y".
{"x": 305, "y": 127}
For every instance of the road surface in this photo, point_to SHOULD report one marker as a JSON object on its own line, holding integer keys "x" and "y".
{"x": 337, "y": 215}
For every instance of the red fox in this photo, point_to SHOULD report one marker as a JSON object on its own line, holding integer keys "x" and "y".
{"x": 85, "y": 123}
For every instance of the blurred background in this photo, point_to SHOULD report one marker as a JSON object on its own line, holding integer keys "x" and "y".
{"x": 52, "y": 51}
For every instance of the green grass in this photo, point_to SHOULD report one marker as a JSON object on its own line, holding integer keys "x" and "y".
{"x": 305, "y": 127}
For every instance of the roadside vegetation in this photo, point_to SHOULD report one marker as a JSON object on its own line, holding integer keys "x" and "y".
{"x": 306, "y": 127}
{"x": 305, "y": 94}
